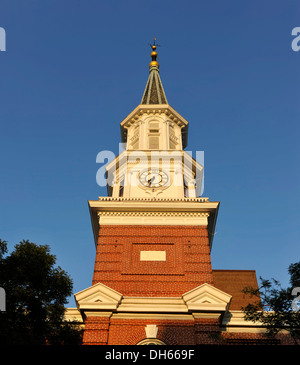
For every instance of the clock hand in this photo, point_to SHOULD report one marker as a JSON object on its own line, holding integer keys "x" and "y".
{"x": 150, "y": 181}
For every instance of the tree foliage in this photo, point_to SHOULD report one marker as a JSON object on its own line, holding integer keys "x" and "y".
{"x": 276, "y": 308}
{"x": 36, "y": 292}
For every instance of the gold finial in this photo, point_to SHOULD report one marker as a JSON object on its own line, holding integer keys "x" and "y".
{"x": 154, "y": 54}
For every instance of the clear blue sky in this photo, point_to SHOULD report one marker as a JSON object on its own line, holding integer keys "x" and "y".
{"x": 73, "y": 70}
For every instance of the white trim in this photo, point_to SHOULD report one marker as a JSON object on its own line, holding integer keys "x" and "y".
{"x": 98, "y": 296}
{"x": 234, "y": 321}
{"x": 153, "y": 255}
{"x": 124, "y": 209}
{"x": 153, "y": 218}
{"x": 207, "y": 298}
{"x": 151, "y": 330}
{"x": 203, "y": 298}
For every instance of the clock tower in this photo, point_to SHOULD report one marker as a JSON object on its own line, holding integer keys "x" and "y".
{"x": 153, "y": 281}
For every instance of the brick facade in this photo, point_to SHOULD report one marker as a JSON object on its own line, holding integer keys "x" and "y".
{"x": 118, "y": 266}
{"x": 101, "y": 331}
{"x": 187, "y": 264}
{"x": 105, "y": 331}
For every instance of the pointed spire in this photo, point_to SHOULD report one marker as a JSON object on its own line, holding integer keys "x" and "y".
{"x": 154, "y": 91}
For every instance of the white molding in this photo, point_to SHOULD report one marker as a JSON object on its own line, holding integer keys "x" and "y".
{"x": 233, "y": 321}
{"x": 166, "y": 109}
{"x": 152, "y": 214}
{"x": 153, "y": 255}
{"x": 98, "y": 296}
{"x": 206, "y": 298}
{"x": 204, "y": 301}
{"x": 203, "y": 298}
{"x": 151, "y": 330}
{"x": 154, "y": 315}
{"x": 152, "y": 218}
{"x": 205, "y": 315}
{"x": 72, "y": 314}
{"x": 114, "y": 199}
{"x": 154, "y": 206}
{"x": 96, "y": 313}
{"x": 152, "y": 304}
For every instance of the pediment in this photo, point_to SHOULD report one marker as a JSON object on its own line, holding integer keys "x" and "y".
{"x": 98, "y": 296}
{"x": 206, "y": 298}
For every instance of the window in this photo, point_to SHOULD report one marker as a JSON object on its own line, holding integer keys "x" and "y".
{"x": 154, "y": 125}
{"x": 172, "y": 145}
{"x": 173, "y": 140}
{"x": 153, "y": 135}
{"x": 134, "y": 140}
{"x": 154, "y": 142}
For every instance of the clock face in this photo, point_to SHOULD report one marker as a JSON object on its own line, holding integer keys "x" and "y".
{"x": 153, "y": 178}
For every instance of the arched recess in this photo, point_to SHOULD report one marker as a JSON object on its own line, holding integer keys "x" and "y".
{"x": 151, "y": 341}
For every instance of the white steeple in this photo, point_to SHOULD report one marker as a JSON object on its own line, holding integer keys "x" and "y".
{"x": 154, "y": 164}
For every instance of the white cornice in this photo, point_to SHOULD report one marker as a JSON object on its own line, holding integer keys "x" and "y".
{"x": 155, "y": 109}
{"x": 153, "y": 218}
{"x": 156, "y": 206}
{"x": 151, "y": 214}
{"x": 154, "y": 304}
{"x": 204, "y": 298}
{"x": 234, "y": 321}
{"x": 138, "y": 204}
{"x": 204, "y": 301}
{"x": 199, "y": 200}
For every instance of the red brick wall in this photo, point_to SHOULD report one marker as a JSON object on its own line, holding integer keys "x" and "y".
{"x": 132, "y": 331}
{"x": 187, "y": 266}
{"x": 200, "y": 331}
{"x": 96, "y": 331}
{"x": 102, "y": 331}
{"x": 233, "y": 282}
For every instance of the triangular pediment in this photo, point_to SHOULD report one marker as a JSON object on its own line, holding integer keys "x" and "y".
{"x": 98, "y": 296}
{"x": 206, "y": 298}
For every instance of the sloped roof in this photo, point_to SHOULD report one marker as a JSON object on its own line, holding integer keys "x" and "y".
{"x": 154, "y": 92}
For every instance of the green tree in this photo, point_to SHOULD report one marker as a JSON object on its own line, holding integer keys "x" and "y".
{"x": 36, "y": 293}
{"x": 277, "y": 308}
